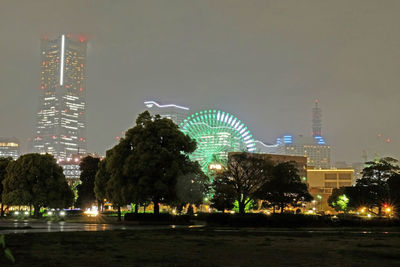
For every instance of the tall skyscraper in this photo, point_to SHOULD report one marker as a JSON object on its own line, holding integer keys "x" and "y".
{"x": 316, "y": 120}
{"x": 314, "y": 147}
{"x": 61, "y": 126}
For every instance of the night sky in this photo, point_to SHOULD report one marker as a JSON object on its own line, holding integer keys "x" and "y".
{"x": 263, "y": 61}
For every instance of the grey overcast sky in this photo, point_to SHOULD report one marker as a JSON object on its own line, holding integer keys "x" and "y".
{"x": 263, "y": 61}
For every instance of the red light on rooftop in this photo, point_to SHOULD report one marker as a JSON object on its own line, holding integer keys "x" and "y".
{"x": 66, "y": 110}
{"x": 82, "y": 39}
{"x": 43, "y": 62}
{"x": 117, "y": 138}
{"x": 54, "y": 137}
{"x": 42, "y": 87}
{"x": 81, "y": 89}
{"x": 388, "y": 140}
{"x": 66, "y": 86}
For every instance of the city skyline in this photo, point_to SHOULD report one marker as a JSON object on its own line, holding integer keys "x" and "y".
{"x": 245, "y": 59}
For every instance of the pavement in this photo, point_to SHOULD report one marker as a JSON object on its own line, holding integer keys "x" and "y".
{"x": 26, "y": 226}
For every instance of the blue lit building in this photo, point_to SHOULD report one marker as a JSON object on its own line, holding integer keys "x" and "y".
{"x": 316, "y": 150}
{"x": 314, "y": 147}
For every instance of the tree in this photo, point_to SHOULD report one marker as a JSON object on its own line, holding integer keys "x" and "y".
{"x": 120, "y": 189}
{"x": 394, "y": 192}
{"x": 285, "y": 187}
{"x": 3, "y": 172}
{"x": 148, "y": 161}
{"x": 373, "y": 184}
{"x": 37, "y": 180}
{"x": 88, "y": 167}
{"x": 192, "y": 186}
{"x": 224, "y": 194}
{"x": 338, "y": 199}
{"x": 100, "y": 183}
{"x": 245, "y": 174}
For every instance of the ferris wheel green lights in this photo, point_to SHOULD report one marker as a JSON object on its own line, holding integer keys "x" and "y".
{"x": 217, "y": 133}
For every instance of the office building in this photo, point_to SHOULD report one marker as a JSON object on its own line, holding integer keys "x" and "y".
{"x": 318, "y": 153}
{"x": 322, "y": 182}
{"x": 9, "y": 147}
{"x": 60, "y": 124}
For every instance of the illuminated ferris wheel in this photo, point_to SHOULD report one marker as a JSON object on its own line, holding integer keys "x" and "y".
{"x": 217, "y": 133}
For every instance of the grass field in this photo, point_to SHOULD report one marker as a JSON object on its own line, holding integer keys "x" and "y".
{"x": 205, "y": 247}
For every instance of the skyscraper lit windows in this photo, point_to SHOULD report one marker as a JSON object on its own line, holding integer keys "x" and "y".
{"x": 61, "y": 126}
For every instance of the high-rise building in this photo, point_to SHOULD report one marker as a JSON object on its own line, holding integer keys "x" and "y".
{"x": 9, "y": 147}
{"x": 314, "y": 147}
{"x": 60, "y": 126}
{"x": 318, "y": 153}
{"x": 316, "y": 120}
{"x": 171, "y": 111}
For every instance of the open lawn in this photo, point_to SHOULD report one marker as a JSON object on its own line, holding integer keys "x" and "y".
{"x": 206, "y": 247}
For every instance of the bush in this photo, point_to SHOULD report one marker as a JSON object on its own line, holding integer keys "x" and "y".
{"x": 294, "y": 220}
{"x": 162, "y": 218}
{"x": 262, "y": 220}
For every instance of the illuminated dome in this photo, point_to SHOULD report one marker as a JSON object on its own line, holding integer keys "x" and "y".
{"x": 217, "y": 133}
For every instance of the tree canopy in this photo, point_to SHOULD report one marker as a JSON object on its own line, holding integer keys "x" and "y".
{"x": 146, "y": 163}
{"x": 338, "y": 199}
{"x": 284, "y": 187}
{"x": 372, "y": 189}
{"x": 88, "y": 167}
{"x": 3, "y": 172}
{"x": 192, "y": 186}
{"x": 245, "y": 175}
{"x": 37, "y": 180}
{"x": 224, "y": 194}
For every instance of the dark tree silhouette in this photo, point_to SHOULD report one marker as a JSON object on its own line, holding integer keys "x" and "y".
{"x": 3, "y": 172}
{"x": 37, "y": 180}
{"x": 89, "y": 166}
{"x": 246, "y": 175}
{"x": 285, "y": 187}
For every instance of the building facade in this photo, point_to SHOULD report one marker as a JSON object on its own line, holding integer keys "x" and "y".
{"x": 318, "y": 153}
{"x": 60, "y": 123}
{"x": 9, "y": 147}
{"x": 322, "y": 182}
